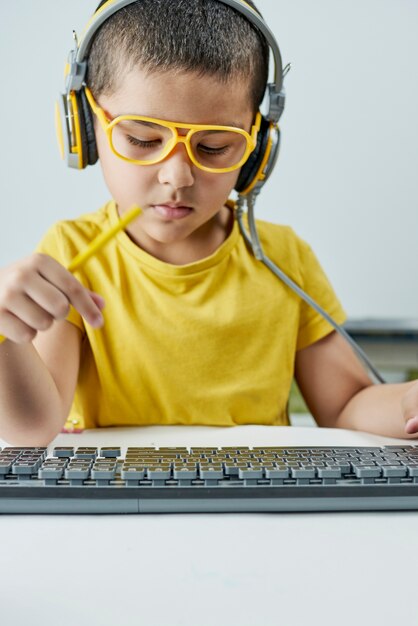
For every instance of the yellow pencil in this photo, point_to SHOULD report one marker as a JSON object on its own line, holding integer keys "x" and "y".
{"x": 99, "y": 242}
{"x": 102, "y": 239}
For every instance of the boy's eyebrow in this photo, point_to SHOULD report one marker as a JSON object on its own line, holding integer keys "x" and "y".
{"x": 144, "y": 123}
{"x": 154, "y": 125}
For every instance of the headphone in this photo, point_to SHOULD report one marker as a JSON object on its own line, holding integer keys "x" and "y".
{"x": 74, "y": 117}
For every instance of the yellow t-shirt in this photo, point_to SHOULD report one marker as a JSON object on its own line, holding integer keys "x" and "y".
{"x": 211, "y": 342}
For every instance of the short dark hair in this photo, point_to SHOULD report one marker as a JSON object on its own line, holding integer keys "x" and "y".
{"x": 203, "y": 36}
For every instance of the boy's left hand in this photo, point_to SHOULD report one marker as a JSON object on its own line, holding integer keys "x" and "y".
{"x": 410, "y": 409}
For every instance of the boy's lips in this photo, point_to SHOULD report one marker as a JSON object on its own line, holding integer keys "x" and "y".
{"x": 172, "y": 211}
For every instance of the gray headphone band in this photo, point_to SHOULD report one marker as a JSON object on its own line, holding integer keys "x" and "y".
{"x": 78, "y": 63}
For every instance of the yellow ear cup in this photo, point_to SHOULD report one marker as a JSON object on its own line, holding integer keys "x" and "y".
{"x": 75, "y": 130}
{"x": 260, "y": 163}
{"x": 76, "y": 140}
{"x": 260, "y": 173}
{"x": 69, "y": 135}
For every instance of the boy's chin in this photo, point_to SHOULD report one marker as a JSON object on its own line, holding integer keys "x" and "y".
{"x": 164, "y": 235}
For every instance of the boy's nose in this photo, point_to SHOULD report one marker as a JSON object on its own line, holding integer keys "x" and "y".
{"x": 176, "y": 168}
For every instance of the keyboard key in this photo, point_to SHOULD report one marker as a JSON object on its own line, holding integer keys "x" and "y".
{"x": 394, "y": 471}
{"x": 250, "y": 472}
{"x": 278, "y": 472}
{"x": 155, "y": 472}
{"x": 329, "y": 472}
{"x": 133, "y": 473}
{"x": 102, "y": 472}
{"x": 63, "y": 452}
{"x": 110, "y": 452}
{"x": 303, "y": 472}
{"x": 26, "y": 467}
{"x": 185, "y": 471}
{"x": 86, "y": 453}
{"x": 5, "y": 467}
{"x": 211, "y": 471}
{"x": 50, "y": 473}
{"x": 370, "y": 471}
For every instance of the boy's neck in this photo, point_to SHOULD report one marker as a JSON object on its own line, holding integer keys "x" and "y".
{"x": 200, "y": 244}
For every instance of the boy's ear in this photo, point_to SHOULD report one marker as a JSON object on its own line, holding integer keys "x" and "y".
{"x": 260, "y": 163}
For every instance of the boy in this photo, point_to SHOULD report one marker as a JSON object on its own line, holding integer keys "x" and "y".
{"x": 175, "y": 321}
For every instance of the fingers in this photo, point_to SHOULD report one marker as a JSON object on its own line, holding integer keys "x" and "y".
{"x": 98, "y": 300}
{"x": 37, "y": 291}
{"x": 411, "y": 426}
{"x": 14, "y": 329}
{"x": 71, "y": 288}
{"x": 410, "y": 409}
{"x": 28, "y": 312}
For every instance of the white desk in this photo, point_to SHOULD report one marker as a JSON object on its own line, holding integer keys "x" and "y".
{"x": 205, "y": 570}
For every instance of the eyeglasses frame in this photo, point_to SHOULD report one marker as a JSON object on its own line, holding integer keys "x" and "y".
{"x": 108, "y": 125}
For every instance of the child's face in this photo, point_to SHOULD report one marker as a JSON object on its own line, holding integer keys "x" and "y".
{"x": 184, "y": 206}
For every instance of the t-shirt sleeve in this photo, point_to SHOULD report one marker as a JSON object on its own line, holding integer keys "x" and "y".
{"x": 315, "y": 283}
{"x": 55, "y": 245}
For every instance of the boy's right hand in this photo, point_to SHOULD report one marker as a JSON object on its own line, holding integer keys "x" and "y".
{"x": 36, "y": 291}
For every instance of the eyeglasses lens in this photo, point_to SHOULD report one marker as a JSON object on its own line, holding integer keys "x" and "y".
{"x": 143, "y": 141}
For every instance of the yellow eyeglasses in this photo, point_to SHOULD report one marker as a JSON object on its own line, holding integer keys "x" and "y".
{"x": 147, "y": 140}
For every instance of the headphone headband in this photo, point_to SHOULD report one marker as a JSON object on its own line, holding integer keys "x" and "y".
{"x": 75, "y": 123}
{"x": 78, "y": 56}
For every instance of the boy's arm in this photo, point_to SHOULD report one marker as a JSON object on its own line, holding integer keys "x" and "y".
{"x": 39, "y": 361}
{"x": 339, "y": 393}
{"x": 37, "y": 385}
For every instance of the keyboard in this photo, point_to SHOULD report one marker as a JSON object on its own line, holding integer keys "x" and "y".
{"x": 207, "y": 479}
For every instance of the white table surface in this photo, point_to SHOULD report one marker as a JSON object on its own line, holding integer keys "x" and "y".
{"x": 252, "y": 569}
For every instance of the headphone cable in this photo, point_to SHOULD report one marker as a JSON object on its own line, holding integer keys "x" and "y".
{"x": 254, "y": 244}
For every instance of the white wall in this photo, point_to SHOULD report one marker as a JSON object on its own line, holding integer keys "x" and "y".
{"x": 346, "y": 178}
